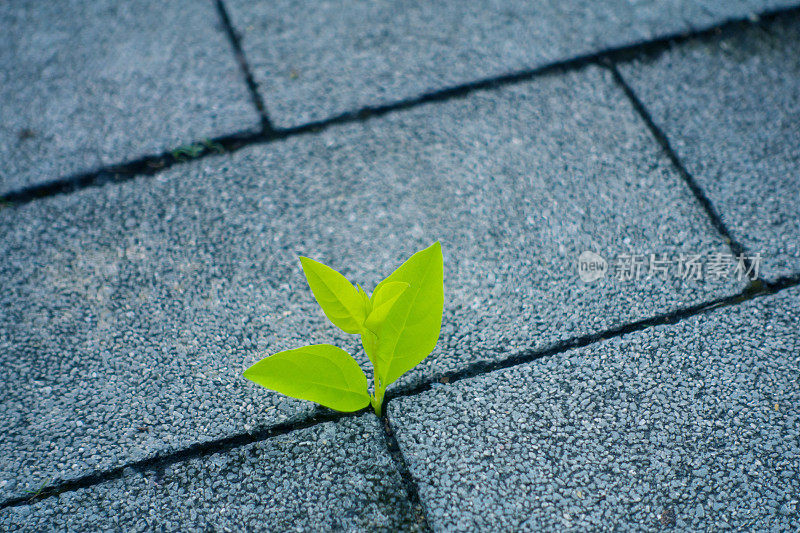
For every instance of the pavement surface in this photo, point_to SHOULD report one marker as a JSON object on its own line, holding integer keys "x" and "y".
{"x": 334, "y": 476}
{"x": 312, "y": 61}
{"x": 662, "y": 394}
{"x": 87, "y": 84}
{"x": 695, "y": 424}
{"x": 731, "y": 108}
{"x": 194, "y": 275}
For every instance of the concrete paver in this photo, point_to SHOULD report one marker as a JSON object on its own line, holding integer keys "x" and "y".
{"x": 331, "y": 477}
{"x": 86, "y": 84}
{"x": 695, "y": 425}
{"x": 313, "y": 61}
{"x": 731, "y": 108}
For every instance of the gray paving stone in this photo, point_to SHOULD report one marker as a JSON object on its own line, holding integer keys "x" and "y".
{"x": 695, "y": 424}
{"x": 331, "y": 477}
{"x": 84, "y": 84}
{"x": 316, "y": 60}
{"x": 130, "y": 311}
{"x": 731, "y": 109}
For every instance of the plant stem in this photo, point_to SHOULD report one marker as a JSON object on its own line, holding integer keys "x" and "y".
{"x": 377, "y": 399}
{"x": 376, "y": 406}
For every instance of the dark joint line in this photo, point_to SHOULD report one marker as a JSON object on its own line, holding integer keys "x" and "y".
{"x": 147, "y": 165}
{"x": 252, "y": 86}
{"x": 754, "y": 290}
{"x": 666, "y": 146}
{"x": 412, "y": 490}
{"x": 201, "y": 449}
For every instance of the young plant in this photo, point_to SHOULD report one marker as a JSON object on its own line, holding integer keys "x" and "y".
{"x": 399, "y": 326}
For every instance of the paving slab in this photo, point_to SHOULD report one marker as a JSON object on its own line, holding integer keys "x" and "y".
{"x": 731, "y": 109}
{"x": 86, "y": 84}
{"x": 695, "y": 425}
{"x": 331, "y": 477}
{"x": 131, "y": 310}
{"x": 313, "y": 61}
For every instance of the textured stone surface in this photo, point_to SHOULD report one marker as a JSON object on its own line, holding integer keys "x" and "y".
{"x": 731, "y": 109}
{"x": 84, "y": 84}
{"x": 131, "y": 310}
{"x": 317, "y": 60}
{"x": 695, "y": 425}
{"x": 334, "y": 476}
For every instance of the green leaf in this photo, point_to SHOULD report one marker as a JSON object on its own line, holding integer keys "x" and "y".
{"x": 365, "y": 299}
{"x": 384, "y": 297}
{"x": 369, "y": 342}
{"x": 321, "y": 373}
{"x": 368, "y": 338}
{"x": 337, "y": 297}
{"x": 410, "y": 330}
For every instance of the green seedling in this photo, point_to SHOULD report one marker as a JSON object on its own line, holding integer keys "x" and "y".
{"x": 195, "y": 150}
{"x": 36, "y": 493}
{"x": 399, "y": 326}
{"x": 188, "y": 151}
{"x": 213, "y": 146}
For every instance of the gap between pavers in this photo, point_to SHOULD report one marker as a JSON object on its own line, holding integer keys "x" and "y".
{"x": 84, "y": 85}
{"x": 730, "y": 108}
{"x": 695, "y": 424}
{"x": 135, "y": 307}
{"x": 236, "y": 45}
{"x": 334, "y": 476}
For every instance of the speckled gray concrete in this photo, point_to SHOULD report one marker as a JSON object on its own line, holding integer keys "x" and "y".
{"x": 132, "y": 309}
{"x": 84, "y": 84}
{"x": 731, "y": 109}
{"x": 695, "y": 424}
{"x": 331, "y": 477}
{"x": 317, "y": 60}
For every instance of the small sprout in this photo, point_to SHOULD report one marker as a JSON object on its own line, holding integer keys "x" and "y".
{"x": 213, "y": 146}
{"x": 38, "y": 492}
{"x": 195, "y": 150}
{"x": 189, "y": 151}
{"x": 399, "y": 326}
